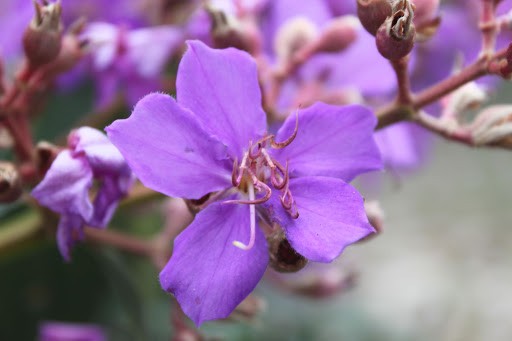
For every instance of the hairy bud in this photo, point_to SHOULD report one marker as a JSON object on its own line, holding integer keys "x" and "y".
{"x": 493, "y": 127}
{"x": 42, "y": 38}
{"x": 338, "y": 35}
{"x": 10, "y": 183}
{"x": 292, "y": 36}
{"x": 228, "y": 31}
{"x": 395, "y": 37}
{"x": 283, "y": 258}
{"x": 373, "y": 13}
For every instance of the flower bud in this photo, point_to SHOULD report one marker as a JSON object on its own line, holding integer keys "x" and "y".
{"x": 42, "y": 38}
{"x": 469, "y": 96}
{"x": 424, "y": 11}
{"x": 228, "y": 31}
{"x": 283, "y": 258}
{"x": 45, "y": 155}
{"x": 292, "y": 36}
{"x": 10, "y": 183}
{"x": 493, "y": 127}
{"x": 338, "y": 35}
{"x": 395, "y": 37}
{"x": 373, "y": 13}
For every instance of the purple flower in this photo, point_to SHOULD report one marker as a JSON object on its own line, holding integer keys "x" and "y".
{"x": 213, "y": 139}
{"x": 60, "y": 331}
{"x": 130, "y": 60}
{"x": 66, "y": 186}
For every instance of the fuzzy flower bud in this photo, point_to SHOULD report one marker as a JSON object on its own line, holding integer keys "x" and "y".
{"x": 42, "y": 38}
{"x": 470, "y": 96}
{"x": 395, "y": 37}
{"x": 10, "y": 183}
{"x": 373, "y": 13}
{"x": 338, "y": 34}
{"x": 228, "y": 31}
{"x": 292, "y": 35}
{"x": 493, "y": 127}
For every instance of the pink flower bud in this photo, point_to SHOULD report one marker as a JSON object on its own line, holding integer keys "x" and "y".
{"x": 42, "y": 38}
{"x": 373, "y": 13}
{"x": 339, "y": 33}
{"x": 395, "y": 37}
{"x": 424, "y": 11}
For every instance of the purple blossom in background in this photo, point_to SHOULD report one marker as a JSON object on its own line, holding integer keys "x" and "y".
{"x": 129, "y": 60}
{"x": 15, "y": 16}
{"x": 213, "y": 139}
{"x": 66, "y": 186}
{"x": 61, "y": 331}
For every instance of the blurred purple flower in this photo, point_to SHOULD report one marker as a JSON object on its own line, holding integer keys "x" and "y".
{"x": 63, "y": 331}
{"x": 189, "y": 148}
{"x": 15, "y": 16}
{"x": 66, "y": 186}
{"x": 129, "y": 60}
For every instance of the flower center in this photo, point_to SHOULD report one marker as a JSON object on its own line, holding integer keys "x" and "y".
{"x": 261, "y": 172}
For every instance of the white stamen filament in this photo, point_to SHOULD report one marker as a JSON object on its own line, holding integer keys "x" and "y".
{"x": 252, "y": 212}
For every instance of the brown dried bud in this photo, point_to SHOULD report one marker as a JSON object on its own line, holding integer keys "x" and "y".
{"x": 228, "y": 31}
{"x": 283, "y": 258}
{"x": 373, "y": 13}
{"x": 10, "y": 183}
{"x": 42, "y": 38}
{"x": 395, "y": 37}
{"x": 45, "y": 155}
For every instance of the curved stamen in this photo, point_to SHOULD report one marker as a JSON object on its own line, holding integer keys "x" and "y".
{"x": 283, "y": 173}
{"x": 252, "y": 212}
{"x": 234, "y": 174}
{"x": 280, "y": 145}
{"x": 258, "y": 151}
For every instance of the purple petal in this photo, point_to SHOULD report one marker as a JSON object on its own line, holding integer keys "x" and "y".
{"x": 107, "y": 87}
{"x": 150, "y": 48}
{"x": 65, "y": 187}
{"x": 208, "y": 274}
{"x": 60, "y": 331}
{"x": 103, "y": 157}
{"x": 68, "y": 225}
{"x": 103, "y": 38}
{"x": 169, "y": 151}
{"x": 399, "y": 146}
{"x": 331, "y": 217}
{"x": 221, "y": 88}
{"x": 332, "y": 141}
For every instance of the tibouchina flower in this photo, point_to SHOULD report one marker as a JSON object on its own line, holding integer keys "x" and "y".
{"x": 65, "y": 188}
{"x": 213, "y": 139}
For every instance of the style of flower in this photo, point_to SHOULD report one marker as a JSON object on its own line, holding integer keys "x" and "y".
{"x": 130, "y": 61}
{"x": 213, "y": 140}
{"x": 66, "y": 186}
